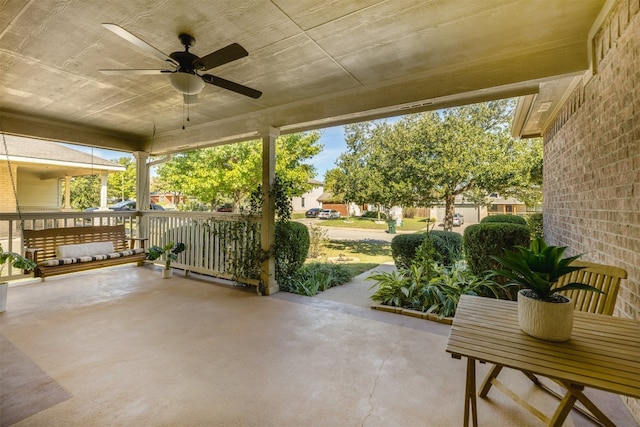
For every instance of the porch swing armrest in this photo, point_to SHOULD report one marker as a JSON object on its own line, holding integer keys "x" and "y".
{"x": 143, "y": 242}
{"x": 32, "y": 253}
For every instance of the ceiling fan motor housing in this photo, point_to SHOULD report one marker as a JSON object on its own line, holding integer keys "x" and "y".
{"x": 185, "y": 80}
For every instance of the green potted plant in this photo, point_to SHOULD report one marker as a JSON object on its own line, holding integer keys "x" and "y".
{"x": 542, "y": 311}
{"x": 170, "y": 252}
{"x": 17, "y": 261}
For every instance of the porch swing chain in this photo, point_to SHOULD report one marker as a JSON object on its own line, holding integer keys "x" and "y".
{"x": 13, "y": 182}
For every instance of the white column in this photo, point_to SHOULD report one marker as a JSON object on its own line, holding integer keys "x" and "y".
{"x": 268, "y": 226}
{"x": 142, "y": 180}
{"x": 67, "y": 192}
{"x": 103, "y": 192}
{"x": 142, "y": 190}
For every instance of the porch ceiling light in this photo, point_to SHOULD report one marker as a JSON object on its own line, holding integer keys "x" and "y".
{"x": 186, "y": 83}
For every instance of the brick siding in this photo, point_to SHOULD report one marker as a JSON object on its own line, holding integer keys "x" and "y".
{"x": 592, "y": 160}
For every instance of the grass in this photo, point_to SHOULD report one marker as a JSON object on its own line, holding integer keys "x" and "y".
{"x": 408, "y": 224}
{"x": 370, "y": 254}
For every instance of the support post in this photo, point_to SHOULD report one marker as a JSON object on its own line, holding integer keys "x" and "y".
{"x": 67, "y": 193}
{"x": 268, "y": 224}
{"x": 142, "y": 189}
{"x": 103, "y": 192}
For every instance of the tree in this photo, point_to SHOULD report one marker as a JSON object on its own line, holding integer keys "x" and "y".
{"x": 85, "y": 191}
{"x": 531, "y": 194}
{"x": 122, "y": 185}
{"x": 457, "y": 150}
{"x": 427, "y": 158}
{"x": 366, "y": 171}
{"x": 230, "y": 173}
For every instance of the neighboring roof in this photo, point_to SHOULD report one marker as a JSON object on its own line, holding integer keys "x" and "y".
{"x": 37, "y": 154}
{"x": 327, "y": 197}
{"x": 509, "y": 201}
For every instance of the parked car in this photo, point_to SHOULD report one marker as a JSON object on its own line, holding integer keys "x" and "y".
{"x": 312, "y": 213}
{"x": 458, "y": 220}
{"x": 225, "y": 208}
{"x": 127, "y": 205}
{"x": 328, "y": 214}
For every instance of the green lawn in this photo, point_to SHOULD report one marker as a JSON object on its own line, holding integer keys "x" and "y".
{"x": 369, "y": 255}
{"x": 408, "y": 224}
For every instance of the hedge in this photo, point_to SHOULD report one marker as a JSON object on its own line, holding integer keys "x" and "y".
{"x": 292, "y": 248}
{"x": 486, "y": 239}
{"x": 512, "y": 219}
{"x": 404, "y": 246}
{"x": 535, "y": 225}
{"x": 447, "y": 244}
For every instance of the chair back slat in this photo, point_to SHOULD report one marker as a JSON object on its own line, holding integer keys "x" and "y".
{"x": 604, "y": 277}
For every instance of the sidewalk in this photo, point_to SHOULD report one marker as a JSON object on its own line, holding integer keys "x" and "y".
{"x": 356, "y": 292}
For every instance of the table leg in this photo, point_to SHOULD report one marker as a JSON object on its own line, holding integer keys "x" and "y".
{"x": 563, "y": 410}
{"x": 470, "y": 394}
{"x": 576, "y": 392}
{"x": 488, "y": 381}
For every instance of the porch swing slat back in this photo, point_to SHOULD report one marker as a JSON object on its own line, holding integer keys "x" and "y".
{"x": 41, "y": 245}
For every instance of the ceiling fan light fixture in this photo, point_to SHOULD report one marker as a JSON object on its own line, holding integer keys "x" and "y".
{"x": 186, "y": 83}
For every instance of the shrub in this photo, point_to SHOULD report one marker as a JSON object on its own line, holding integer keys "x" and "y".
{"x": 448, "y": 246}
{"x": 317, "y": 237}
{"x": 512, "y": 219}
{"x": 317, "y": 277}
{"x": 437, "y": 292}
{"x": 535, "y": 226}
{"x": 404, "y": 247}
{"x": 481, "y": 241}
{"x": 409, "y": 212}
{"x": 292, "y": 247}
{"x": 374, "y": 215}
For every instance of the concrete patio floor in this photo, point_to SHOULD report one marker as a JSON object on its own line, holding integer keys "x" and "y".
{"x": 132, "y": 349}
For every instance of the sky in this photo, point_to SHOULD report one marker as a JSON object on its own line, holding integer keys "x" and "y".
{"x": 332, "y": 139}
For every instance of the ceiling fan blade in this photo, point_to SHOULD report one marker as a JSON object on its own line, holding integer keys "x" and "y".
{"x": 142, "y": 71}
{"x": 221, "y": 56}
{"x": 118, "y": 30}
{"x": 235, "y": 87}
{"x": 190, "y": 99}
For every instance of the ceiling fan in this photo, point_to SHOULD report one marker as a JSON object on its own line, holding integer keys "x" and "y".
{"x": 184, "y": 68}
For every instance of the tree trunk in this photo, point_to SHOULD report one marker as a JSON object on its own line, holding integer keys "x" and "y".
{"x": 449, "y": 211}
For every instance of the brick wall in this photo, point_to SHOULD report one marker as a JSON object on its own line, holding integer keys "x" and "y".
{"x": 592, "y": 160}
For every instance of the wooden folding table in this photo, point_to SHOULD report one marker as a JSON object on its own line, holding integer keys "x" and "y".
{"x": 603, "y": 353}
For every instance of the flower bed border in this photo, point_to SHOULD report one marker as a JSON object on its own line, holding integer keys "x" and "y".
{"x": 413, "y": 313}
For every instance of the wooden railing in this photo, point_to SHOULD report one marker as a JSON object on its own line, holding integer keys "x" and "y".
{"x": 218, "y": 244}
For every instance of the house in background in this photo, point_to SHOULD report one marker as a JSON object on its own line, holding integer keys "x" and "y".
{"x": 508, "y": 206}
{"x": 309, "y": 199}
{"x": 42, "y": 173}
{"x": 167, "y": 199}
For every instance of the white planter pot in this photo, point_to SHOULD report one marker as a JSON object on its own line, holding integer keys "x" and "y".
{"x": 545, "y": 320}
{"x": 167, "y": 273}
{"x": 4, "y": 288}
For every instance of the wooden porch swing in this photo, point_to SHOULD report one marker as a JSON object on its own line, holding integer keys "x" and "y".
{"x": 62, "y": 250}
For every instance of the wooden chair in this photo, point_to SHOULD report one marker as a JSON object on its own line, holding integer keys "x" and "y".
{"x": 604, "y": 277}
